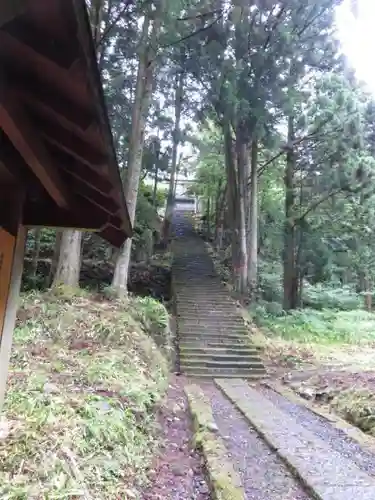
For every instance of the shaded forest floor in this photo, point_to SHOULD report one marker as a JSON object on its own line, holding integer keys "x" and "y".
{"x": 146, "y": 279}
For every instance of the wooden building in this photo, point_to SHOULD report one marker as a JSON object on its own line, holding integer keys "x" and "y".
{"x": 58, "y": 166}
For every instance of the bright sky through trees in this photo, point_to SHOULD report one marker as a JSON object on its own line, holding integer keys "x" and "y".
{"x": 357, "y": 36}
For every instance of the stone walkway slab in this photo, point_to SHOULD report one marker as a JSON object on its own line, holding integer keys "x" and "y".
{"x": 206, "y": 314}
{"x": 324, "y": 471}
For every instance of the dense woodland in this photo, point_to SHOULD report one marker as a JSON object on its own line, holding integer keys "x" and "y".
{"x": 282, "y": 138}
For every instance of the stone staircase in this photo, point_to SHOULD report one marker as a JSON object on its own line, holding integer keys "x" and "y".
{"x": 212, "y": 338}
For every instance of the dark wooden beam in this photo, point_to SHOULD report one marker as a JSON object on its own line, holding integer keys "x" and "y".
{"x": 23, "y": 135}
{"x": 12, "y": 198}
{"x": 114, "y": 235}
{"x": 35, "y": 92}
{"x": 81, "y": 171}
{"x": 45, "y": 45}
{"x": 88, "y": 205}
{"x": 47, "y": 65}
{"x": 83, "y": 189}
{"x": 49, "y": 215}
{"x": 67, "y": 141}
{"x": 16, "y": 166}
{"x": 11, "y": 10}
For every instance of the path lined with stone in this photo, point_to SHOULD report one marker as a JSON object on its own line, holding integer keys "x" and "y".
{"x": 264, "y": 475}
{"x": 278, "y": 449}
{"x": 328, "y": 474}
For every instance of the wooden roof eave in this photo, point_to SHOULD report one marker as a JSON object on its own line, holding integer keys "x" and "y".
{"x": 87, "y": 43}
{"x": 99, "y": 188}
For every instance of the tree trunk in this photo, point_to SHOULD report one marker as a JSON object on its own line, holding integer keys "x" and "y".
{"x": 232, "y": 193}
{"x": 218, "y": 210}
{"x": 36, "y": 251}
{"x": 69, "y": 262}
{"x": 290, "y": 277}
{"x": 242, "y": 168}
{"x": 55, "y": 258}
{"x": 179, "y": 89}
{"x": 368, "y": 295}
{"x": 96, "y": 20}
{"x": 253, "y": 222}
{"x": 208, "y": 219}
{"x": 139, "y": 115}
{"x": 155, "y": 191}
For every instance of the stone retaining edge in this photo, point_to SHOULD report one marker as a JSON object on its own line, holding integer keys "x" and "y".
{"x": 351, "y": 431}
{"x": 269, "y": 441}
{"x": 224, "y": 482}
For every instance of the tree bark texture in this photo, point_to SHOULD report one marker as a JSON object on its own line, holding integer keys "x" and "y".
{"x": 69, "y": 263}
{"x": 143, "y": 93}
{"x": 179, "y": 89}
{"x": 36, "y": 251}
{"x": 290, "y": 278}
{"x": 253, "y": 221}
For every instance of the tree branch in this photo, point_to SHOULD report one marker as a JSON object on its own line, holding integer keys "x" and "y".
{"x": 191, "y": 35}
{"x": 113, "y": 23}
{"x": 316, "y": 204}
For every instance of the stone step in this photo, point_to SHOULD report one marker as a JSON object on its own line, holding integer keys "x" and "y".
{"x": 219, "y": 354}
{"x": 203, "y": 372}
{"x": 200, "y": 314}
{"x": 223, "y": 371}
{"x": 216, "y": 319}
{"x": 226, "y": 338}
{"x": 213, "y": 351}
{"x": 220, "y": 333}
{"x": 244, "y": 375}
{"x": 232, "y": 362}
{"x": 219, "y": 330}
{"x": 215, "y": 299}
{"x": 213, "y": 323}
{"x": 196, "y": 314}
{"x": 199, "y": 345}
{"x": 250, "y": 362}
{"x": 213, "y": 334}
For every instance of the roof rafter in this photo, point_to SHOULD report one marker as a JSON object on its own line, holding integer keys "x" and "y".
{"x": 23, "y": 136}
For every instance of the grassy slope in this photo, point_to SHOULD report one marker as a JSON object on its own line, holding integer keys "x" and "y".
{"x": 329, "y": 355}
{"x": 79, "y": 416}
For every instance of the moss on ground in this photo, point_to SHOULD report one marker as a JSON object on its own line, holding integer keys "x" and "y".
{"x": 79, "y": 416}
{"x": 224, "y": 481}
{"x": 357, "y": 406}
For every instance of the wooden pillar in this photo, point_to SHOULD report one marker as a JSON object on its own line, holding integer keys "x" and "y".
{"x": 12, "y": 247}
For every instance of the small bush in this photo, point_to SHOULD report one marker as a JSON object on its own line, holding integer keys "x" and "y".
{"x": 321, "y": 296}
{"x": 270, "y": 282}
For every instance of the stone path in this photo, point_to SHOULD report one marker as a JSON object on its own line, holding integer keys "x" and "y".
{"x": 264, "y": 475}
{"x": 328, "y": 474}
{"x": 277, "y": 449}
{"x": 211, "y": 335}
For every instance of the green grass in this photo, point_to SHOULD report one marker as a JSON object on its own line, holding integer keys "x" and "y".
{"x": 80, "y": 410}
{"x": 313, "y": 326}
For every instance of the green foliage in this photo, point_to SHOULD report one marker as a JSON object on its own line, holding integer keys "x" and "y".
{"x": 312, "y": 326}
{"x": 79, "y": 415}
{"x": 324, "y": 296}
{"x": 47, "y": 241}
{"x": 269, "y": 282}
{"x": 147, "y": 191}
